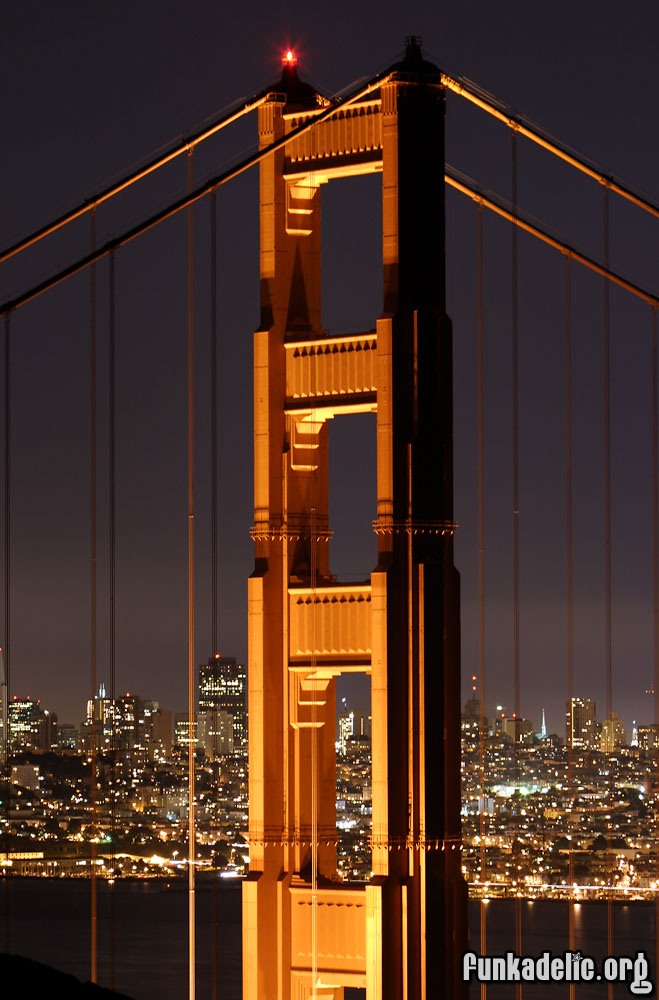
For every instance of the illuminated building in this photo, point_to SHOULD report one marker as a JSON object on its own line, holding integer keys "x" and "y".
{"x": 130, "y": 723}
{"x": 30, "y": 727}
{"x": 99, "y": 710}
{"x": 346, "y": 729}
{"x": 648, "y": 737}
{"x": 160, "y": 720}
{"x": 580, "y": 724}
{"x": 67, "y": 736}
{"x": 183, "y": 732}
{"x": 613, "y": 734}
{"x": 518, "y": 730}
{"x": 215, "y": 732}
{"x": 223, "y": 688}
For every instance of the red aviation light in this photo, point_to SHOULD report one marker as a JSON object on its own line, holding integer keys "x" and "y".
{"x": 290, "y": 59}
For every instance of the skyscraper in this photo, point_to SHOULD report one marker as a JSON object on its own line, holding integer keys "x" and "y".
{"x": 580, "y": 724}
{"x": 29, "y": 726}
{"x": 129, "y": 723}
{"x": 613, "y": 734}
{"x": 223, "y": 689}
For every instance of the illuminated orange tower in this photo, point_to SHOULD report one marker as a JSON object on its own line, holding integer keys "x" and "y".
{"x": 305, "y": 932}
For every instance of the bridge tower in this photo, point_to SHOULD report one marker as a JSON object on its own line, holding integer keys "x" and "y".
{"x": 402, "y": 934}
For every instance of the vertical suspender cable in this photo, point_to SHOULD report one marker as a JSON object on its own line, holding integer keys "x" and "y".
{"x": 315, "y": 763}
{"x": 481, "y": 588}
{"x": 113, "y": 693}
{"x": 191, "y": 664}
{"x": 515, "y": 436}
{"x": 411, "y": 790}
{"x": 607, "y": 521}
{"x": 93, "y": 972}
{"x": 607, "y": 458}
{"x": 7, "y": 638}
{"x": 214, "y": 611}
{"x": 214, "y": 615}
{"x": 569, "y": 559}
{"x": 655, "y": 605}
{"x": 314, "y": 766}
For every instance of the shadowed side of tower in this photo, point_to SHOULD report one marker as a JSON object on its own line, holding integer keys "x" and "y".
{"x": 415, "y": 528}
{"x": 305, "y": 932}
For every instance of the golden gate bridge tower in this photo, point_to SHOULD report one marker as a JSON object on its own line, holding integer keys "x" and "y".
{"x": 307, "y": 933}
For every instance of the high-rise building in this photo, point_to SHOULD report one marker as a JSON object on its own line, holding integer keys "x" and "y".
{"x": 100, "y": 711}
{"x": 30, "y": 727}
{"x": 613, "y": 734}
{"x": 67, "y": 736}
{"x": 183, "y": 732}
{"x": 580, "y": 724}
{"x": 518, "y": 730}
{"x": 223, "y": 688}
{"x": 346, "y": 729}
{"x": 161, "y": 728}
{"x": 129, "y": 723}
{"x": 648, "y": 737}
{"x": 215, "y": 732}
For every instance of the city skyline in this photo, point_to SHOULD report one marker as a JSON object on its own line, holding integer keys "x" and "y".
{"x": 358, "y": 711}
{"x": 537, "y": 816}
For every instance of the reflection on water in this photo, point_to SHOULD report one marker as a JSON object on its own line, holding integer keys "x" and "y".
{"x": 50, "y": 923}
{"x": 545, "y": 928}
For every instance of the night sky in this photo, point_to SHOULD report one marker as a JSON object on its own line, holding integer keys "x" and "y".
{"x": 89, "y": 91}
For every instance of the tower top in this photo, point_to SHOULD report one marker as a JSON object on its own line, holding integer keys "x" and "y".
{"x": 300, "y": 96}
{"x": 413, "y": 61}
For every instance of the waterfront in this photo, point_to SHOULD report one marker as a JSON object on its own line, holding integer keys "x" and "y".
{"x": 50, "y": 923}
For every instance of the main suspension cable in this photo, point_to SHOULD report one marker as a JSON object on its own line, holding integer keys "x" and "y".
{"x": 529, "y": 130}
{"x": 462, "y": 88}
{"x": 453, "y": 178}
{"x": 463, "y": 184}
{"x": 90, "y": 204}
{"x": 185, "y": 201}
